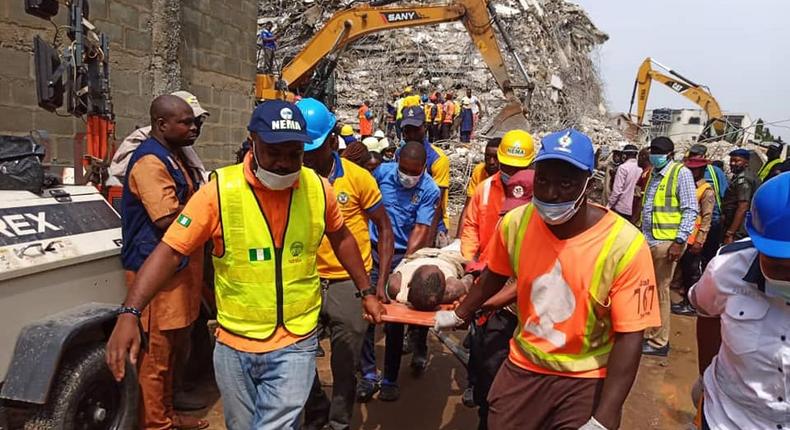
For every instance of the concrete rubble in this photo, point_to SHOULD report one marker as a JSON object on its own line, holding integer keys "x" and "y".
{"x": 554, "y": 39}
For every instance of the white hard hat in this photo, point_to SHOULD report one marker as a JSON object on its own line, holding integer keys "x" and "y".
{"x": 379, "y": 134}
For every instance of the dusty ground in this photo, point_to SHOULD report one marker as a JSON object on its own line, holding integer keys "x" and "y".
{"x": 660, "y": 398}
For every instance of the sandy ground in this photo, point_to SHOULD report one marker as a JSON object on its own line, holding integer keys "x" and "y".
{"x": 659, "y": 400}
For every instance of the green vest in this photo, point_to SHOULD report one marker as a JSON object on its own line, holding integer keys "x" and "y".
{"x": 766, "y": 169}
{"x": 716, "y": 190}
{"x": 666, "y": 204}
{"x": 260, "y": 287}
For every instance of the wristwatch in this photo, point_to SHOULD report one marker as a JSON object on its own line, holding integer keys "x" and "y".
{"x": 129, "y": 310}
{"x": 371, "y": 291}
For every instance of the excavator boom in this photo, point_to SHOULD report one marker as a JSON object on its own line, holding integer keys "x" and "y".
{"x": 681, "y": 85}
{"x": 349, "y": 25}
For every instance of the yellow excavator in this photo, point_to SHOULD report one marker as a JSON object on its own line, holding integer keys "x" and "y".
{"x": 717, "y": 127}
{"x": 307, "y": 73}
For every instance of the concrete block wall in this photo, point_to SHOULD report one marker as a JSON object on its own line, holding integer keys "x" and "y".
{"x": 217, "y": 65}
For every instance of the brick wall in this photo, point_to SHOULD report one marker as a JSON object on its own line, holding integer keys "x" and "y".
{"x": 216, "y": 65}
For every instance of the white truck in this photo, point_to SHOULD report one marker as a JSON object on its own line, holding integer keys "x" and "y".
{"x": 60, "y": 282}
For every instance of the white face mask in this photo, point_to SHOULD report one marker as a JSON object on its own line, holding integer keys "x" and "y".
{"x": 776, "y": 287}
{"x": 271, "y": 180}
{"x": 408, "y": 181}
{"x": 559, "y": 213}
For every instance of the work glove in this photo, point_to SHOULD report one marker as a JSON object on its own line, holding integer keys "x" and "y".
{"x": 446, "y": 319}
{"x": 593, "y": 424}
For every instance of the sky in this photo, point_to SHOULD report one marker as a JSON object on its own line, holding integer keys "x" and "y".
{"x": 739, "y": 49}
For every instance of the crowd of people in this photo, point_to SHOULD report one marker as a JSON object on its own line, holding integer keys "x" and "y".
{"x": 318, "y": 227}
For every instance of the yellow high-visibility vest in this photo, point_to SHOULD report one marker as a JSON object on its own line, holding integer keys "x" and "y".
{"x": 260, "y": 287}
{"x": 618, "y": 249}
{"x": 766, "y": 169}
{"x": 666, "y": 204}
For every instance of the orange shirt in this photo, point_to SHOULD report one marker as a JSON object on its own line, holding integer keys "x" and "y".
{"x": 177, "y": 304}
{"x": 479, "y": 174}
{"x": 553, "y": 282}
{"x": 365, "y": 124}
{"x": 482, "y": 216}
{"x": 203, "y": 211}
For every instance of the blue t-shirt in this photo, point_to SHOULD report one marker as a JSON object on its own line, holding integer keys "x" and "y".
{"x": 405, "y": 207}
{"x": 264, "y": 34}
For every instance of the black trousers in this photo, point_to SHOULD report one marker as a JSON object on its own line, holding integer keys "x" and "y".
{"x": 712, "y": 244}
{"x": 488, "y": 349}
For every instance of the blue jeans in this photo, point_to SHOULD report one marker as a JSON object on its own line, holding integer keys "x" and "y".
{"x": 265, "y": 391}
{"x": 393, "y": 344}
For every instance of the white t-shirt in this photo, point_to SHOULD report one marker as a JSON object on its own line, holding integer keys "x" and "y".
{"x": 450, "y": 263}
{"x": 474, "y": 102}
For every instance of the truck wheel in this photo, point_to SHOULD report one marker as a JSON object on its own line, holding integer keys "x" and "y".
{"x": 85, "y": 396}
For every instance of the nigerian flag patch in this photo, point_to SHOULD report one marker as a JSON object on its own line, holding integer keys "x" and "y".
{"x": 260, "y": 254}
{"x": 184, "y": 220}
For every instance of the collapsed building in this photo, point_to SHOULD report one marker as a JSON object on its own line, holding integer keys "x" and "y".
{"x": 555, "y": 40}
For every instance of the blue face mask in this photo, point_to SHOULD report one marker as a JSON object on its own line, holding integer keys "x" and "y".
{"x": 504, "y": 176}
{"x": 659, "y": 160}
{"x": 559, "y": 213}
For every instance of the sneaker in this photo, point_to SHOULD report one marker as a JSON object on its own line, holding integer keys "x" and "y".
{"x": 683, "y": 308}
{"x": 418, "y": 365}
{"x": 389, "y": 393}
{"x": 468, "y": 399}
{"x": 366, "y": 388}
{"x": 648, "y": 349}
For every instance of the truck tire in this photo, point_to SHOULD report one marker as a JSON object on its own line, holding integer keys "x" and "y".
{"x": 85, "y": 396}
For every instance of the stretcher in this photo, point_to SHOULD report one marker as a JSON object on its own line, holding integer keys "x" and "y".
{"x": 403, "y": 314}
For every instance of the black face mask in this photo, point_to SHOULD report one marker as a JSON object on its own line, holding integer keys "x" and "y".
{"x": 737, "y": 169}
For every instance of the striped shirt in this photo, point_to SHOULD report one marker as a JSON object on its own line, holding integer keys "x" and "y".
{"x": 688, "y": 204}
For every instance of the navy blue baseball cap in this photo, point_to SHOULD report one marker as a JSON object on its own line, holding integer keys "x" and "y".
{"x": 413, "y": 115}
{"x": 278, "y": 121}
{"x": 568, "y": 145}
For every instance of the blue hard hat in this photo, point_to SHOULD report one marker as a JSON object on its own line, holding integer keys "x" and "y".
{"x": 569, "y": 145}
{"x": 320, "y": 121}
{"x": 767, "y": 221}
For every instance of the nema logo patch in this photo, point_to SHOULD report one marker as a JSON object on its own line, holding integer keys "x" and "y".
{"x": 296, "y": 249}
{"x": 184, "y": 220}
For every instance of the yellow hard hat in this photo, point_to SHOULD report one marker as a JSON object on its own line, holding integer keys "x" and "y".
{"x": 347, "y": 130}
{"x": 407, "y": 90}
{"x": 517, "y": 149}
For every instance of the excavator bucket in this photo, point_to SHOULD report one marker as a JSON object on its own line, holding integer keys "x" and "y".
{"x": 510, "y": 117}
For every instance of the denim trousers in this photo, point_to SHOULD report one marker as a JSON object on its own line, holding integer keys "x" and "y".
{"x": 265, "y": 391}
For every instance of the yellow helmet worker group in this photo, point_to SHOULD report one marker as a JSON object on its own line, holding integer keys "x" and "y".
{"x": 517, "y": 149}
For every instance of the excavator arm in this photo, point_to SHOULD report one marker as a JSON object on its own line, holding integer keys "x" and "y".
{"x": 349, "y": 25}
{"x": 681, "y": 85}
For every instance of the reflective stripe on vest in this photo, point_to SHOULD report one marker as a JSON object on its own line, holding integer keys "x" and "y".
{"x": 766, "y": 169}
{"x": 259, "y": 287}
{"x": 666, "y": 205}
{"x": 716, "y": 186}
{"x": 619, "y": 248}
{"x": 698, "y": 223}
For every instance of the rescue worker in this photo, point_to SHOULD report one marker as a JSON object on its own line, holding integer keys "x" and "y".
{"x": 482, "y": 171}
{"x": 267, "y": 44}
{"x": 669, "y": 210}
{"x": 773, "y": 154}
{"x": 120, "y": 159}
{"x": 365, "y": 117}
{"x": 688, "y": 270}
{"x": 359, "y": 200}
{"x": 736, "y": 200}
{"x": 266, "y": 218}
{"x": 585, "y": 292}
{"x": 412, "y": 197}
{"x": 515, "y": 153}
{"x": 718, "y": 180}
{"x": 158, "y": 185}
{"x": 493, "y": 326}
{"x": 438, "y": 120}
{"x": 621, "y": 200}
{"x": 430, "y": 115}
{"x": 467, "y": 122}
{"x": 448, "y": 116}
{"x": 347, "y": 135}
{"x": 746, "y": 290}
{"x": 437, "y": 165}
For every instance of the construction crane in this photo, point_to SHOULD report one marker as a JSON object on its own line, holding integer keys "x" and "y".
{"x": 311, "y": 68}
{"x": 717, "y": 126}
